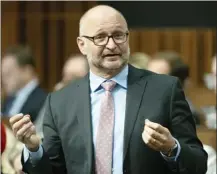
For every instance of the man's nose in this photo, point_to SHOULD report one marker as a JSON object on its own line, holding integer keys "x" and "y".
{"x": 111, "y": 44}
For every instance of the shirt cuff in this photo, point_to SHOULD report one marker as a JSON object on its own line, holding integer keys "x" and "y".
{"x": 34, "y": 156}
{"x": 173, "y": 158}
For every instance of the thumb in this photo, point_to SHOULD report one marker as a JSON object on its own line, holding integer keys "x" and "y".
{"x": 35, "y": 139}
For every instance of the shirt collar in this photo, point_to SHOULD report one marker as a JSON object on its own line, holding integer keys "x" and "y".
{"x": 121, "y": 79}
{"x": 28, "y": 88}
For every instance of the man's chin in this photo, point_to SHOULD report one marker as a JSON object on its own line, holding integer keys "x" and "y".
{"x": 114, "y": 65}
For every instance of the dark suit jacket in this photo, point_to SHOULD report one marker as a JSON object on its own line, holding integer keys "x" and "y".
{"x": 33, "y": 103}
{"x": 68, "y": 146}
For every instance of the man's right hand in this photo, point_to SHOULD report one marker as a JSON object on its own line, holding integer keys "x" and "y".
{"x": 24, "y": 131}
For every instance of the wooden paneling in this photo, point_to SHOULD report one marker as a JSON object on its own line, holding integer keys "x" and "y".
{"x": 34, "y": 37}
{"x": 51, "y": 29}
{"x": 196, "y": 46}
{"x": 9, "y": 21}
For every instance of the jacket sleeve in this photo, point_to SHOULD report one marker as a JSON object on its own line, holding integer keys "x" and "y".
{"x": 192, "y": 158}
{"x": 52, "y": 161}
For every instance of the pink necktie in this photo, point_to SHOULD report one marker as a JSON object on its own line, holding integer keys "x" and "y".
{"x": 104, "y": 140}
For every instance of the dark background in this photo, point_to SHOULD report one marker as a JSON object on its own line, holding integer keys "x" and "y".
{"x": 161, "y": 14}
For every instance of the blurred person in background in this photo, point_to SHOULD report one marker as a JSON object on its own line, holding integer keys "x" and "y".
{"x": 12, "y": 149}
{"x": 170, "y": 63}
{"x": 23, "y": 94}
{"x": 211, "y": 115}
{"x": 20, "y": 83}
{"x": 214, "y": 72}
{"x": 211, "y": 124}
{"x": 139, "y": 60}
{"x": 75, "y": 67}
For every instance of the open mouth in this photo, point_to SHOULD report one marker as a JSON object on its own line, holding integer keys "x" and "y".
{"x": 111, "y": 55}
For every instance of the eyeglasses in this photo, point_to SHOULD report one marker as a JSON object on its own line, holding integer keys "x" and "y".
{"x": 102, "y": 39}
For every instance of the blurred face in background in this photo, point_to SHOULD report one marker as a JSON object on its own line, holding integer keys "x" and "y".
{"x": 103, "y": 22}
{"x": 12, "y": 75}
{"x": 159, "y": 66}
{"x": 74, "y": 68}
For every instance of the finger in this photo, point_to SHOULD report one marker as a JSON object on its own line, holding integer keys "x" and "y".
{"x": 30, "y": 132}
{"x": 15, "y": 118}
{"x": 156, "y": 135}
{"x": 154, "y": 144}
{"x": 146, "y": 139}
{"x": 21, "y": 132}
{"x": 17, "y": 125}
{"x": 157, "y": 127}
{"x": 152, "y": 140}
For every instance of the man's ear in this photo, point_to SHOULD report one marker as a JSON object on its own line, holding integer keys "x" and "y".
{"x": 81, "y": 46}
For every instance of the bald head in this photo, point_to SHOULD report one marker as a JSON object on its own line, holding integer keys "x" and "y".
{"x": 98, "y": 15}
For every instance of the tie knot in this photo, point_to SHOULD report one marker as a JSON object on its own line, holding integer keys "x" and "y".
{"x": 108, "y": 85}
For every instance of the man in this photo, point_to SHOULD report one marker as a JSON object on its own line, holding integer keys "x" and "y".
{"x": 20, "y": 83}
{"x": 75, "y": 67}
{"x": 86, "y": 127}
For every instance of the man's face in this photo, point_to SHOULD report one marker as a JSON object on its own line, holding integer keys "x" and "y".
{"x": 159, "y": 66}
{"x": 111, "y": 56}
{"x": 11, "y": 75}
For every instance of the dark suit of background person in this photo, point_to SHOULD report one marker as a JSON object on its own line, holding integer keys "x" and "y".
{"x": 33, "y": 103}
{"x": 68, "y": 146}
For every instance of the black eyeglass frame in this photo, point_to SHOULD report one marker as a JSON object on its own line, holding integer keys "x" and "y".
{"x": 92, "y": 38}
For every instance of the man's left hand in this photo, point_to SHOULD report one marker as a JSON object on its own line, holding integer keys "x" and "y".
{"x": 157, "y": 137}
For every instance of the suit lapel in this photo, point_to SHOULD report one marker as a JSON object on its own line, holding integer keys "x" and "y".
{"x": 84, "y": 117}
{"x": 136, "y": 88}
